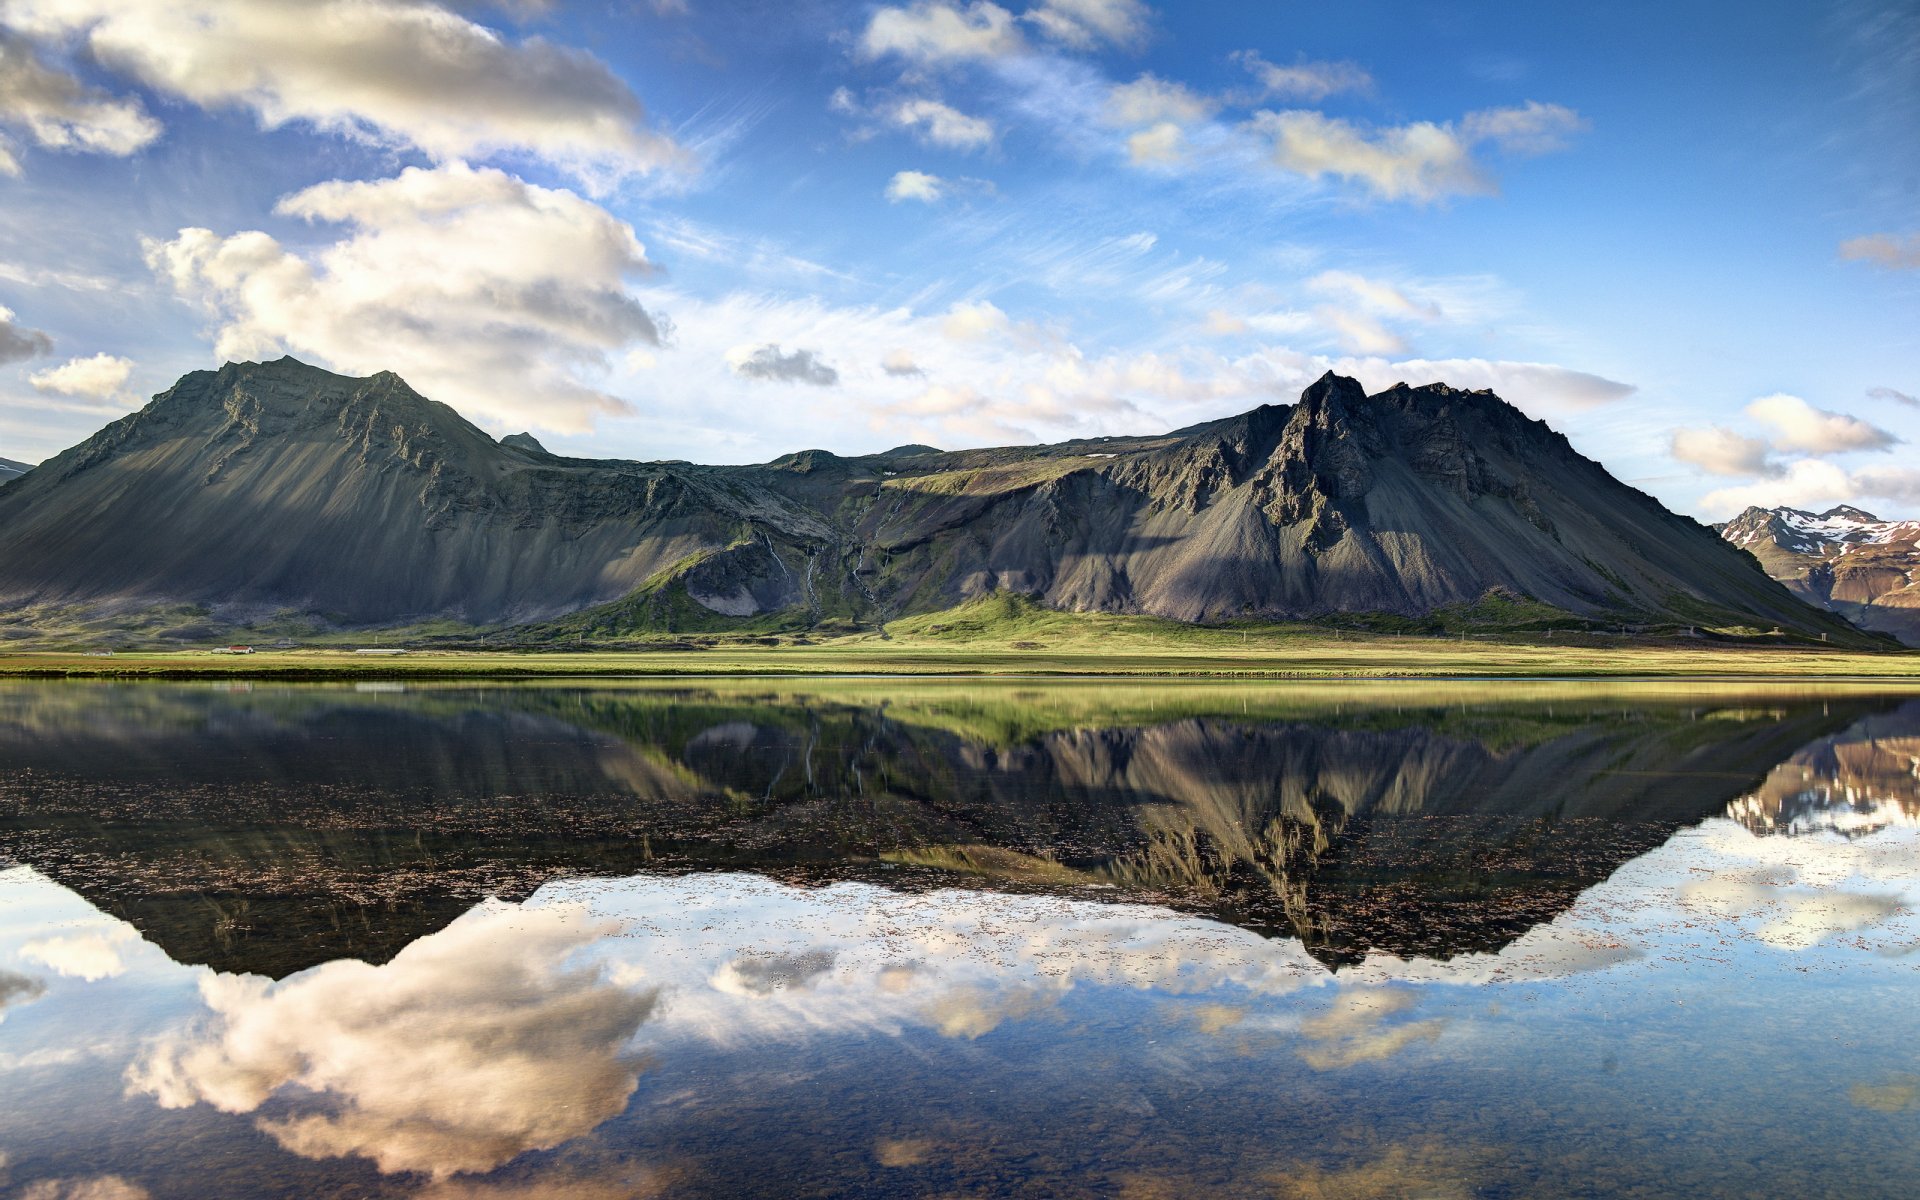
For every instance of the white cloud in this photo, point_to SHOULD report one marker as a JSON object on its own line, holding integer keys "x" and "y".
{"x": 774, "y": 365}
{"x": 1532, "y": 128}
{"x": 18, "y": 342}
{"x": 975, "y": 321}
{"x": 1150, "y": 100}
{"x": 403, "y": 72}
{"x": 1892, "y": 483}
{"x": 1089, "y": 24}
{"x": 98, "y": 377}
{"x": 934, "y": 31}
{"x": 915, "y": 185}
{"x": 1889, "y": 251}
{"x": 1376, "y": 295}
{"x": 483, "y": 291}
{"x": 901, "y": 364}
{"x": 1359, "y": 332}
{"x": 941, "y": 123}
{"x": 1803, "y": 483}
{"x": 1304, "y": 80}
{"x": 1422, "y": 161}
{"x": 472, "y": 1046}
{"x": 87, "y": 956}
{"x": 1536, "y": 387}
{"x": 1721, "y": 451}
{"x": 1891, "y": 394}
{"x": 60, "y": 112}
{"x": 1799, "y": 426}
{"x": 1162, "y": 145}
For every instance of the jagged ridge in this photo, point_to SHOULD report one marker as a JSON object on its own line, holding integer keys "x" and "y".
{"x": 279, "y": 485}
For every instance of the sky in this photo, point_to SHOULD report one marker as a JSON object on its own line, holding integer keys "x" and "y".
{"x": 1686, "y": 235}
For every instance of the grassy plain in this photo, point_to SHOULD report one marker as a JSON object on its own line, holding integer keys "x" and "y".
{"x": 988, "y": 640}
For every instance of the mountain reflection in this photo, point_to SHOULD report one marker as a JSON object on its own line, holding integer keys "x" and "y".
{"x": 1859, "y": 781}
{"x": 273, "y": 829}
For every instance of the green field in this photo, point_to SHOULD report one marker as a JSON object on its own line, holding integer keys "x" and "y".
{"x": 1011, "y": 638}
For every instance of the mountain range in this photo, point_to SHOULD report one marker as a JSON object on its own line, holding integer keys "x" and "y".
{"x": 1843, "y": 559}
{"x": 9, "y": 469}
{"x": 282, "y": 488}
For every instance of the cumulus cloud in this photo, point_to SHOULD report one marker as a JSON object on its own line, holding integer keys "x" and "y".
{"x": 18, "y": 342}
{"x": 97, "y": 377}
{"x": 1089, "y": 24}
{"x": 915, "y": 185}
{"x": 1889, "y": 251}
{"x": 1721, "y": 451}
{"x": 1304, "y": 80}
{"x": 1158, "y": 145}
{"x": 485, "y": 292}
{"x": 1150, "y": 99}
{"x": 1803, "y": 483}
{"x": 901, "y": 365}
{"x": 472, "y": 1046}
{"x": 934, "y": 31}
{"x": 1897, "y": 397}
{"x": 975, "y": 321}
{"x": 399, "y": 72}
{"x": 60, "y": 112}
{"x": 940, "y": 123}
{"x": 86, "y": 956}
{"x": 1799, "y": 426}
{"x": 769, "y": 362}
{"x": 1422, "y": 161}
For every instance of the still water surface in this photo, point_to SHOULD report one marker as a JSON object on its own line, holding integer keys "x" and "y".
{"x": 908, "y": 938}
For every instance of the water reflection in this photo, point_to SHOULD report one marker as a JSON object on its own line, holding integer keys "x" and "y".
{"x": 279, "y": 828}
{"x": 716, "y": 942}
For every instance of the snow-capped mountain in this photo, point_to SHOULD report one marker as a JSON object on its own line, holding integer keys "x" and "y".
{"x": 1844, "y": 559}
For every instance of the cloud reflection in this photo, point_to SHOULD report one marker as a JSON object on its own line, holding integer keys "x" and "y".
{"x": 470, "y": 1047}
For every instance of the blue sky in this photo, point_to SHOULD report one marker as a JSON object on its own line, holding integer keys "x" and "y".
{"x": 1686, "y": 235}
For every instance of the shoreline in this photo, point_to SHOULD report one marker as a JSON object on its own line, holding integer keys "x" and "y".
{"x": 1381, "y": 660}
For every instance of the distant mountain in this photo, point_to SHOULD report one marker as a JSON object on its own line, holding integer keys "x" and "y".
{"x": 281, "y": 487}
{"x": 10, "y": 469}
{"x": 1843, "y": 559}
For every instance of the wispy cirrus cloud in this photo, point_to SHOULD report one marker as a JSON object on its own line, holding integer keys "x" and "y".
{"x": 1888, "y": 251}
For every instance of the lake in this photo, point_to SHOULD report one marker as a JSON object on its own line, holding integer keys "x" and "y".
{"x": 904, "y": 937}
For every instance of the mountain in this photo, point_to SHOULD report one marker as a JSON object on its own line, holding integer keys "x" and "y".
{"x": 280, "y": 487}
{"x": 1844, "y": 559}
{"x": 10, "y": 469}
